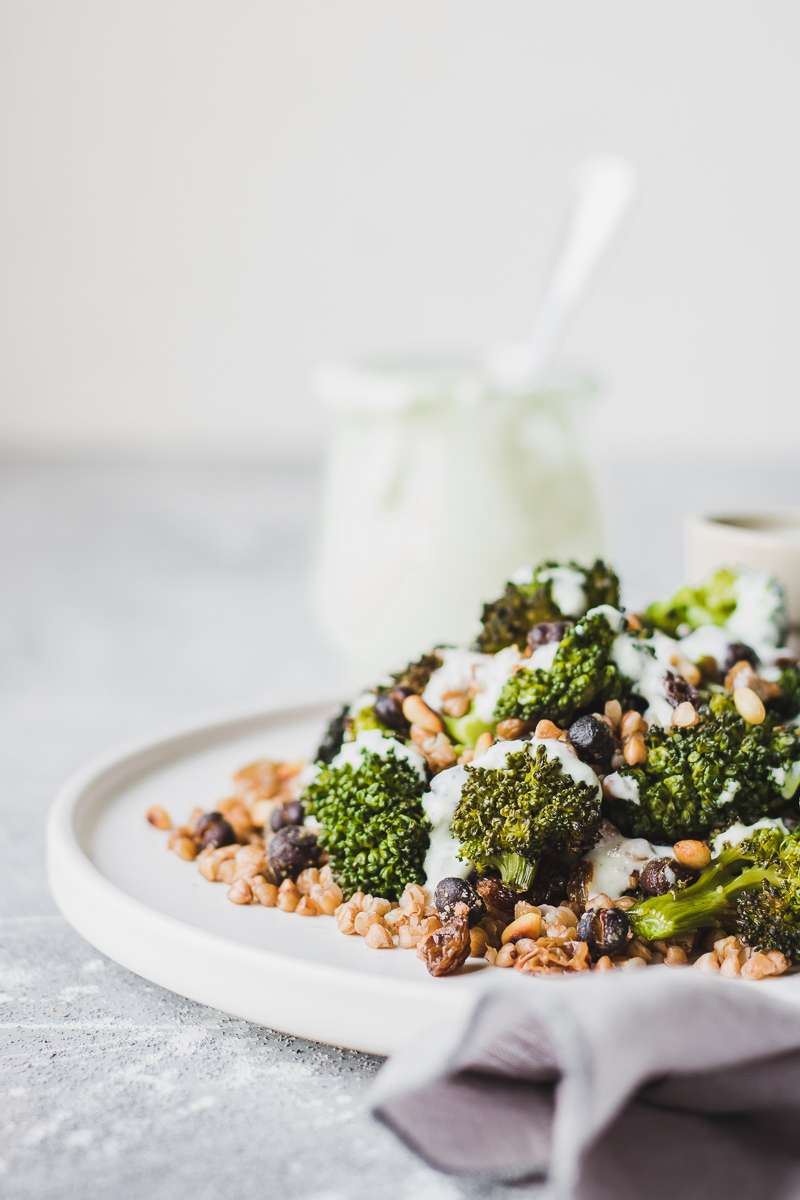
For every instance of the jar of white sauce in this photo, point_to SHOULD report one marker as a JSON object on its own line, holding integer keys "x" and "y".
{"x": 437, "y": 487}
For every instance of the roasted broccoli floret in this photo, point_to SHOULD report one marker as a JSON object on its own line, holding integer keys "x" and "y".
{"x": 416, "y": 675}
{"x": 752, "y": 889}
{"x": 719, "y": 600}
{"x": 582, "y": 674}
{"x": 506, "y": 620}
{"x": 510, "y": 815}
{"x": 368, "y": 804}
{"x": 383, "y": 708}
{"x": 705, "y": 776}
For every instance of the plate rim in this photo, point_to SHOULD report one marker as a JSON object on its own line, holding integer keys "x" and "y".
{"x": 95, "y": 906}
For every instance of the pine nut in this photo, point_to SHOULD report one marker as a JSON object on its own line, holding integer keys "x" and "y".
{"x": 613, "y": 710}
{"x": 307, "y": 907}
{"x": 687, "y": 669}
{"x": 749, "y": 706}
{"x": 510, "y": 728}
{"x": 185, "y": 848}
{"x": 604, "y": 963}
{"x": 692, "y": 853}
{"x": 417, "y": 712}
{"x": 240, "y": 892}
{"x": 685, "y": 715}
{"x": 634, "y": 622}
{"x": 547, "y": 731}
{"x": 421, "y": 738}
{"x": 158, "y": 817}
{"x": 635, "y": 751}
{"x": 455, "y": 704}
{"x": 529, "y": 925}
{"x": 742, "y": 667}
{"x": 484, "y": 743}
{"x": 632, "y": 722}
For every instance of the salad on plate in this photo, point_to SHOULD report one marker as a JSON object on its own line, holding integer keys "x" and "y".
{"x": 581, "y": 788}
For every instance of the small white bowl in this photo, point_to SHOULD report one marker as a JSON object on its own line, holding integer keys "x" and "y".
{"x": 767, "y": 541}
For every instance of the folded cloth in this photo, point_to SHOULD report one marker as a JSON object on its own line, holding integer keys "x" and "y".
{"x": 657, "y": 1083}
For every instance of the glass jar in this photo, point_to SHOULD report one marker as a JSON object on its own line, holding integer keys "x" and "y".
{"x": 437, "y": 487}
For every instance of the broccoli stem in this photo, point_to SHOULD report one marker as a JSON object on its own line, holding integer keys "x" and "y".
{"x": 697, "y": 906}
{"x": 516, "y": 871}
{"x": 465, "y": 731}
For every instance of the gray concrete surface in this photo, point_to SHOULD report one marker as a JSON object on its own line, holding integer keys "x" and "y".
{"x": 133, "y": 596}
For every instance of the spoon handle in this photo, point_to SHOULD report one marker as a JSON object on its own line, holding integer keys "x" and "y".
{"x": 604, "y": 188}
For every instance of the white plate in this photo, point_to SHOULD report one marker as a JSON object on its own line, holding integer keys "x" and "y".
{"x": 153, "y": 913}
{"x": 156, "y": 915}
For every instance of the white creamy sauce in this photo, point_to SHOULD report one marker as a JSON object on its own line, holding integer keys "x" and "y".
{"x": 567, "y": 589}
{"x": 523, "y": 575}
{"x": 759, "y": 618}
{"x": 441, "y": 860}
{"x": 614, "y": 858}
{"x": 728, "y": 792}
{"x": 365, "y": 700}
{"x": 497, "y": 755}
{"x": 788, "y": 781}
{"x": 307, "y": 776}
{"x": 542, "y": 657}
{"x": 647, "y": 675}
{"x": 615, "y": 619}
{"x": 466, "y": 671}
{"x": 373, "y": 741}
{"x": 738, "y": 832}
{"x": 714, "y": 641}
{"x": 623, "y": 787}
{"x": 709, "y": 641}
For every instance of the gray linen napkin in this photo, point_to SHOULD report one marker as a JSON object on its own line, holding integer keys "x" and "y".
{"x": 660, "y": 1083}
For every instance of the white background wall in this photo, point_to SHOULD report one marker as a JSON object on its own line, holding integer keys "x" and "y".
{"x": 202, "y": 199}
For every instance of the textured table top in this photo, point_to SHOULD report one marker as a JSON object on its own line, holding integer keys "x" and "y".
{"x": 134, "y": 597}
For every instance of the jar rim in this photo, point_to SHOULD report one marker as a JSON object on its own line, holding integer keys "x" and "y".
{"x": 393, "y": 384}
